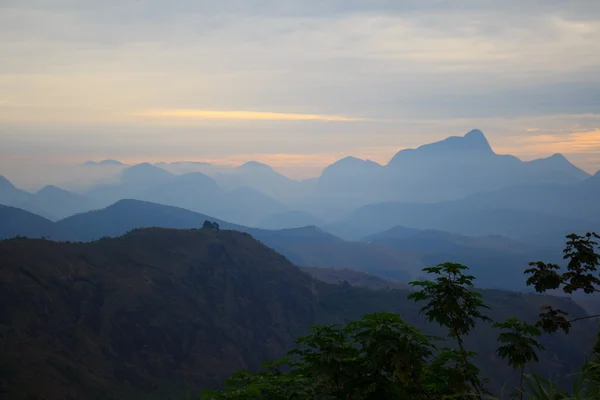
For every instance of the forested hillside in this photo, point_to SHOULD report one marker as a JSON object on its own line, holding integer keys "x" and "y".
{"x": 161, "y": 313}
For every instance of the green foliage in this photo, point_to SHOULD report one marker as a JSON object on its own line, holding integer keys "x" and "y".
{"x": 518, "y": 345}
{"x": 583, "y": 262}
{"x": 376, "y": 357}
{"x": 382, "y": 357}
{"x": 453, "y": 304}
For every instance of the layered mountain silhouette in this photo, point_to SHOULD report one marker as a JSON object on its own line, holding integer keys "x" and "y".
{"x": 496, "y": 260}
{"x": 462, "y": 218}
{"x": 308, "y": 246}
{"x": 194, "y": 190}
{"x": 103, "y": 163}
{"x": 446, "y": 170}
{"x": 255, "y": 194}
{"x": 50, "y": 202}
{"x": 399, "y": 254}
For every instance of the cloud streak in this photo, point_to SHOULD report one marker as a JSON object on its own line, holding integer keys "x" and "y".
{"x": 242, "y": 115}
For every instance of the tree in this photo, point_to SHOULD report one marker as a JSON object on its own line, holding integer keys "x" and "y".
{"x": 380, "y": 357}
{"x": 583, "y": 262}
{"x": 518, "y": 346}
{"x": 213, "y": 226}
{"x": 452, "y": 303}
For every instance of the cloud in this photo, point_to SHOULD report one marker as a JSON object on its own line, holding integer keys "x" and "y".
{"x": 242, "y": 115}
{"x": 587, "y": 142}
{"x": 393, "y": 73}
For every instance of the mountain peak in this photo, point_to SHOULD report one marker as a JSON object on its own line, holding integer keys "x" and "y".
{"x": 475, "y": 133}
{"x": 5, "y": 183}
{"x": 351, "y": 161}
{"x": 103, "y": 162}
{"x": 476, "y": 140}
{"x": 51, "y": 189}
{"x": 144, "y": 171}
{"x": 558, "y": 156}
{"x": 255, "y": 165}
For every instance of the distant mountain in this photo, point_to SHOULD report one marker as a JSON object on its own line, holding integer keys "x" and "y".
{"x": 134, "y": 180}
{"x": 309, "y": 246}
{"x": 459, "y": 217}
{"x": 12, "y": 196}
{"x": 312, "y": 247}
{"x": 262, "y": 178}
{"x": 18, "y": 222}
{"x": 459, "y": 166}
{"x": 50, "y": 202}
{"x": 472, "y": 145}
{"x": 62, "y": 202}
{"x": 446, "y": 170}
{"x": 353, "y": 277}
{"x": 126, "y": 215}
{"x": 290, "y": 219}
{"x": 162, "y": 313}
{"x": 354, "y": 181}
{"x": 497, "y": 261}
{"x": 574, "y": 200}
{"x": 103, "y": 162}
{"x": 195, "y": 191}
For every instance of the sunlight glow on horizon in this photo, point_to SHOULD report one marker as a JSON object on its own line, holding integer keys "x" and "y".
{"x": 244, "y": 115}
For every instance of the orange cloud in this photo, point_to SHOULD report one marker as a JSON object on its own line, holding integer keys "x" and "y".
{"x": 242, "y": 115}
{"x": 581, "y": 147}
{"x": 576, "y": 142}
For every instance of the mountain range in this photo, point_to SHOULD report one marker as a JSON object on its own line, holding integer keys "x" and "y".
{"x": 398, "y": 254}
{"x": 254, "y": 194}
{"x": 459, "y": 186}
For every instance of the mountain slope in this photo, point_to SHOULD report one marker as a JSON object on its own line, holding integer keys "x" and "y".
{"x": 459, "y": 217}
{"x": 262, "y": 178}
{"x": 50, "y": 202}
{"x": 126, "y": 215}
{"x": 148, "y": 315}
{"x": 578, "y": 200}
{"x": 63, "y": 203}
{"x": 162, "y": 313}
{"x": 497, "y": 261}
{"x": 195, "y": 191}
{"x": 307, "y": 246}
{"x": 290, "y": 219}
{"x": 18, "y": 222}
{"x": 450, "y": 169}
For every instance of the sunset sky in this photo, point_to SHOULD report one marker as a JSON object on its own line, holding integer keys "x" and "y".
{"x": 296, "y": 84}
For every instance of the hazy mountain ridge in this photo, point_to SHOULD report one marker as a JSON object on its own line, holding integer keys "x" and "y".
{"x": 195, "y": 191}
{"x": 451, "y": 169}
{"x": 462, "y": 218}
{"x": 308, "y": 246}
{"x": 497, "y": 261}
{"x": 50, "y": 202}
{"x": 398, "y": 254}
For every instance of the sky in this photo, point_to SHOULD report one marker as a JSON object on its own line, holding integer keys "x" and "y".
{"x": 295, "y": 84}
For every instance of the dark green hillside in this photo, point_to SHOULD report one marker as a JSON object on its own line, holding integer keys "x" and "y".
{"x": 153, "y": 312}
{"x": 160, "y": 313}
